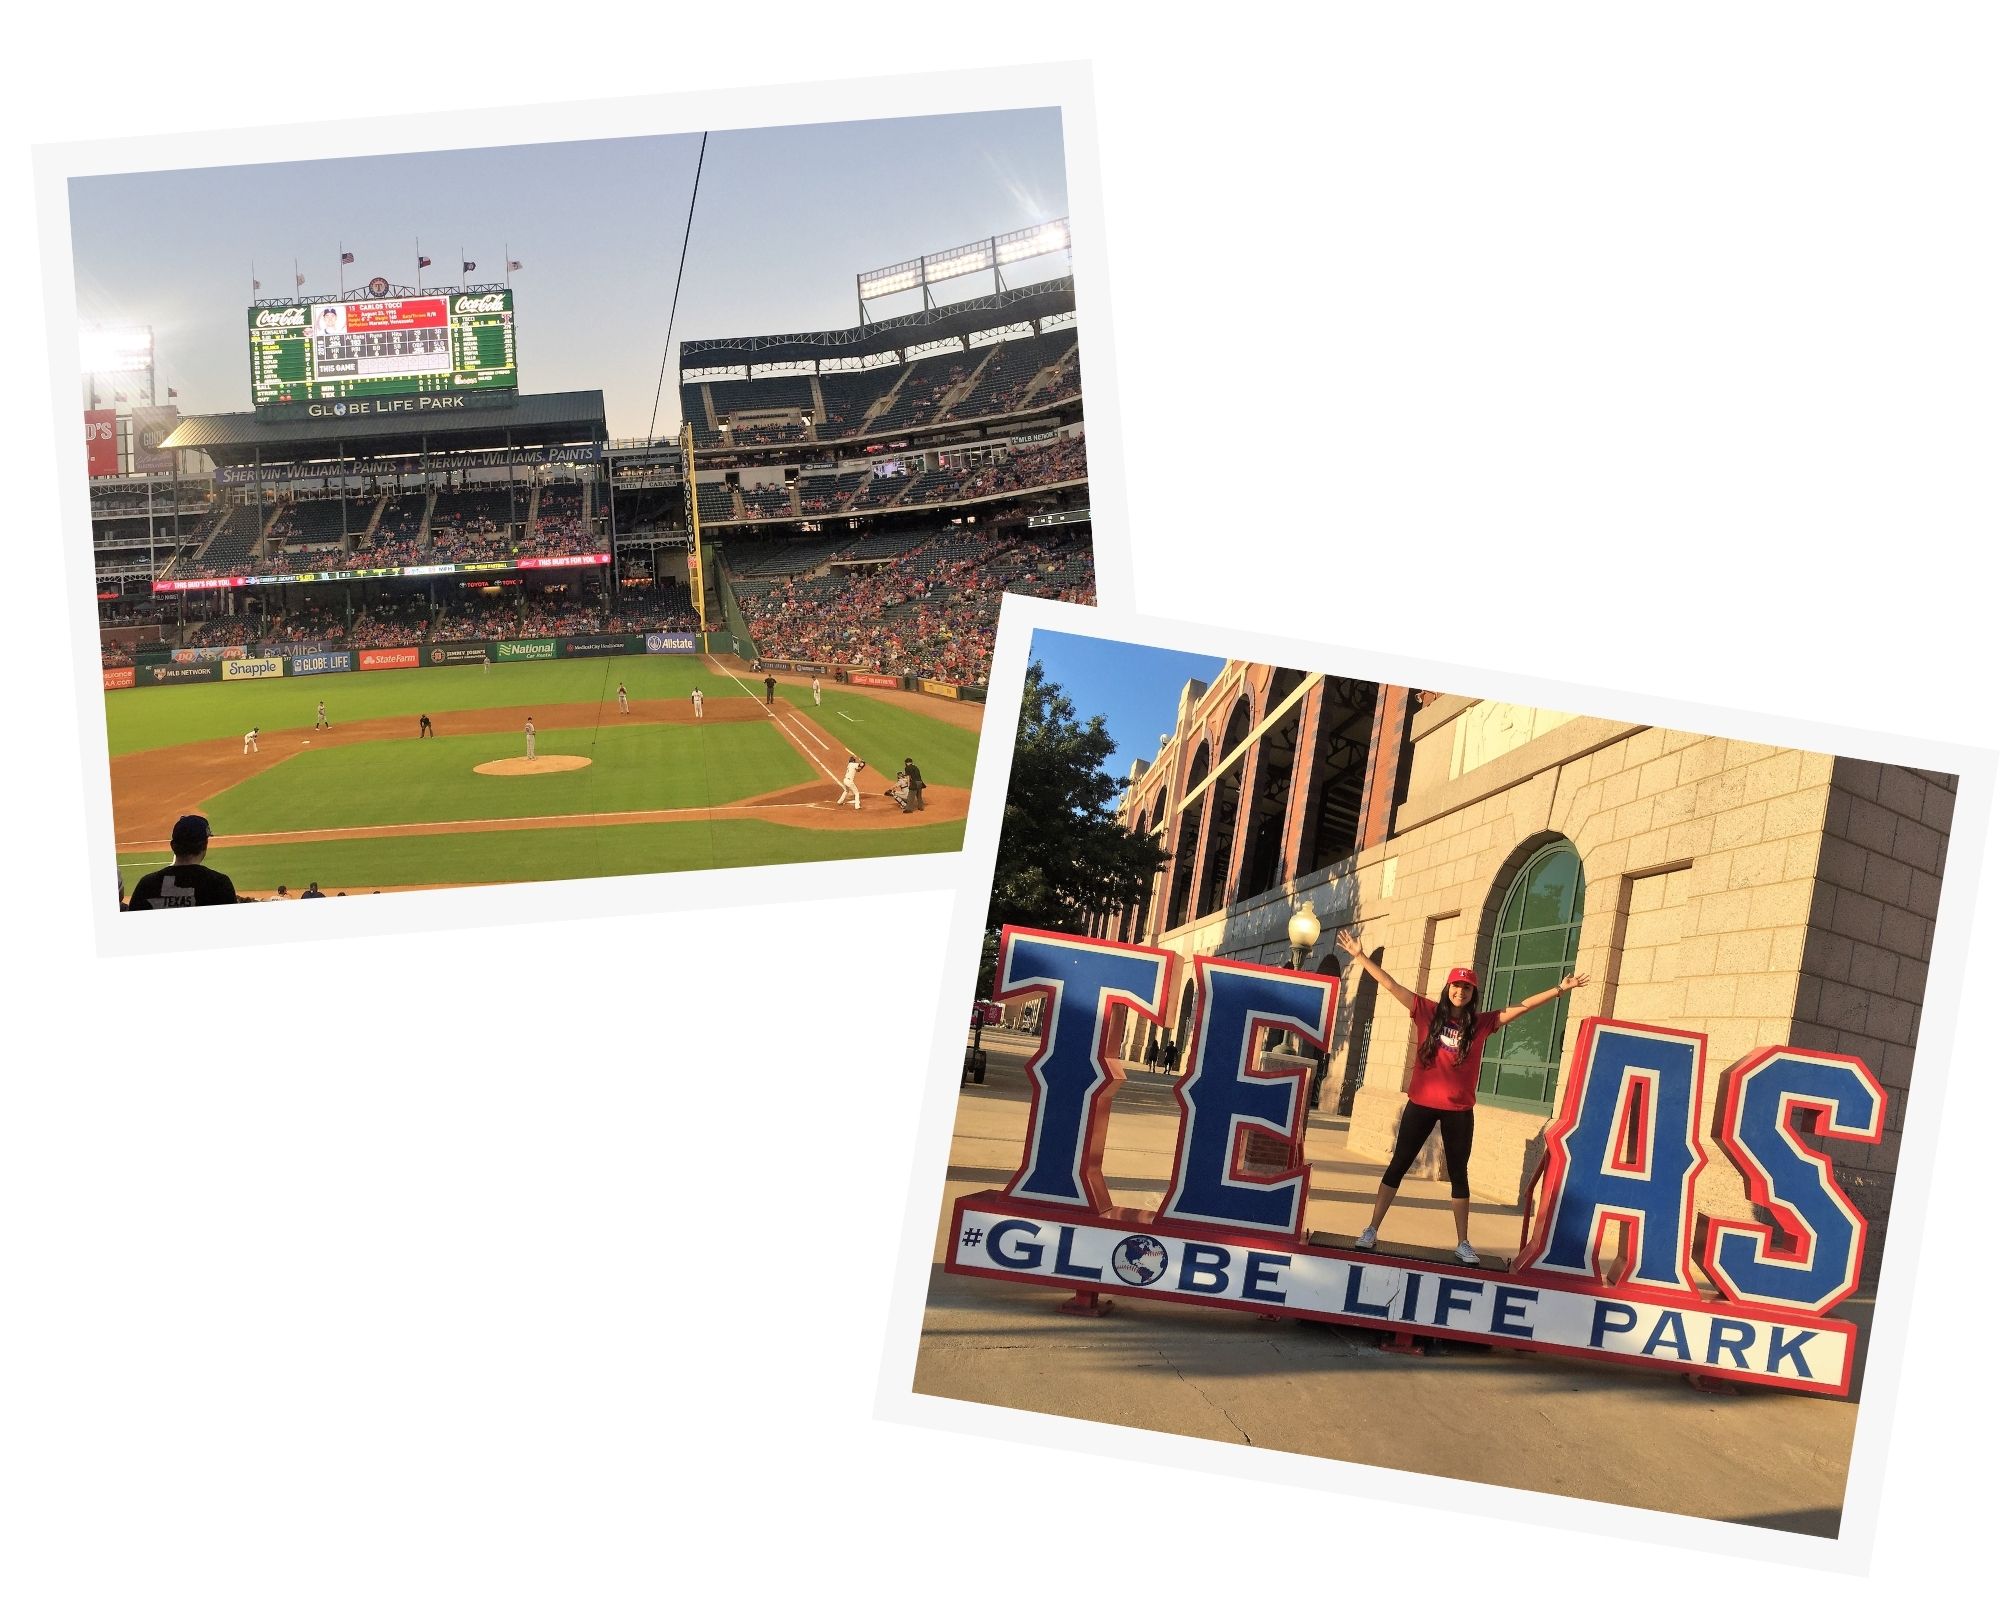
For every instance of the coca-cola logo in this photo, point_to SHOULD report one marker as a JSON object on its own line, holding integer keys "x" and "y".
{"x": 471, "y": 303}
{"x": 290, "y": 317}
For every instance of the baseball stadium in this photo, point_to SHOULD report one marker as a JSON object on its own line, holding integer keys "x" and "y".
{"x": 406, "y": 624}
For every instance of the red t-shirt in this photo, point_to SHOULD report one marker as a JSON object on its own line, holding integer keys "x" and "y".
{"x": 1450, "y": 1083}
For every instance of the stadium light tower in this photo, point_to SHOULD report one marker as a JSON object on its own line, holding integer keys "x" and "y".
{"x": 116, "y": 353}
{"x": 982, "y": 255}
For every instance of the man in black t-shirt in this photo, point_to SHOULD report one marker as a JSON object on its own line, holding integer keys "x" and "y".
{"x": 187, "y": 882}
{"x": 770, "y": 687}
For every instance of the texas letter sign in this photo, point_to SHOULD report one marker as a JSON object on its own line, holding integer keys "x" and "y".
{"x": 1609, "y": 1270}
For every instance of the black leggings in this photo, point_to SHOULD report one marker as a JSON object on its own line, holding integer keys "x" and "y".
{"x": 1415, "y": 1128}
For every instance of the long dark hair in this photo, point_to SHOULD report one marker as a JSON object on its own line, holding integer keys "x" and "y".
{"x": 1443, "y": 1017}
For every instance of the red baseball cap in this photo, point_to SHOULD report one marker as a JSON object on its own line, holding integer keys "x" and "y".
{"x": 1463, "y": 975}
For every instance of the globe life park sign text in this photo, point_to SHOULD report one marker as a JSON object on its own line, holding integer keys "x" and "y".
{"x": 1624, "y": 1154}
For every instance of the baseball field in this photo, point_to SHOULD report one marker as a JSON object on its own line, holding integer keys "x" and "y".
{"x": 367, "y": 804}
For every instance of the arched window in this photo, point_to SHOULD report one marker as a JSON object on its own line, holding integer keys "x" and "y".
{"x": 1534, "y": 944}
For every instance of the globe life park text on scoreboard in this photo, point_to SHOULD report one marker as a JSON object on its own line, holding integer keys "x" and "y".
{"x": 363, "y": 350}
{"x": 1623, "y": 1155}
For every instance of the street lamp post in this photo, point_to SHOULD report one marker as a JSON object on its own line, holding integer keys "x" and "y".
{"x": 1303, "y": 932}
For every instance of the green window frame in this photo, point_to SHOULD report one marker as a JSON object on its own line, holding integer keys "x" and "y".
{"x": 1534, "y": 944}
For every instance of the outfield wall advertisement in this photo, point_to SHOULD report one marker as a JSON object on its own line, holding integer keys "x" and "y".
{"x": 454, "y": 655}
{"x": 255, "y": 667}
{"x": 525, "y": 650}
{"x": 184, "y": 672}
{"x": 935, "y": 686}
{"x": 610, "y": 644}
{"x": 119, "y": 677}
{"x": 322, "y": 661}
{"x": 670, "y": 644}
{"x": 385, "y": 660}
{"x": 875, "y": 680}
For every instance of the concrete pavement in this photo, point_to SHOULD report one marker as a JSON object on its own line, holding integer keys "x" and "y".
{"x": 1556, "y": 1425}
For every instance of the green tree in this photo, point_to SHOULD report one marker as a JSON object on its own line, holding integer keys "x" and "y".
{"x": 1063, "y": 855}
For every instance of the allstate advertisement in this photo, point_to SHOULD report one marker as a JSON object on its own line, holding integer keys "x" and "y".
{"x": 255, "y": 667}
{"x": 322, "y": 661}
{"x": 670, "y": 644}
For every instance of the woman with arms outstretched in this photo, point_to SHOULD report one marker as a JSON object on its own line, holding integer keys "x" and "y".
{"x": 1453, "y": 1033}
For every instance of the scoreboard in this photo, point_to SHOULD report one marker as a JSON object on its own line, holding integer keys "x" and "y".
{"x": 347, "y": 349}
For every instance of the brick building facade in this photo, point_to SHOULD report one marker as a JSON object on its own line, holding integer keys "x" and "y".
{"x": 1755, "y": 894}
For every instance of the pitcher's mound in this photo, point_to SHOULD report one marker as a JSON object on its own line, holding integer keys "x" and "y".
{"x": 529, "y": 766}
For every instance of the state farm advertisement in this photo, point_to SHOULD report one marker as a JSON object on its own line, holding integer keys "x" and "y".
{"x": 382, "y": 660}
{"x": 100, "y": 442}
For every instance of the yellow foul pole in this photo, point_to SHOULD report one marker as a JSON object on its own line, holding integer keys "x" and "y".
{"x": 694, "y": 525}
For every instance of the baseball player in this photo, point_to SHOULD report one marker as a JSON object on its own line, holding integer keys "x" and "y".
{"x": 322, "y": 722}
{"x": 815, "y": 688}
{"x": 697, "y": 703}
{"x": 250, "y": 741}
{"x": 847, "y": 785}
{"x": 485, "y": 665}
{"x": 424, "y": 728}
{"x": 624, "y": 709}
{"x": 531, "y": 738}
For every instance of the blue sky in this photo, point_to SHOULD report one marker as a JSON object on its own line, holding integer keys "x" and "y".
{"x": 785, "y": 218}
{"x": 1135, "y": 687}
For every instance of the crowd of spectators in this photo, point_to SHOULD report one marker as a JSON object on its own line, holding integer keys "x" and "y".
{"x": 929, "y": 611}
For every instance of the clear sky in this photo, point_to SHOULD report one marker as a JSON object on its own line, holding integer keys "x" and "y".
{"x": 1134, "y": 687}
{"x": 785, "y": 218}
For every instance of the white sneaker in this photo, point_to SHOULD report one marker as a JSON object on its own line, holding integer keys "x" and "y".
{"x": 1366, "y": 1240}
{"x": 1466, "y": 1253}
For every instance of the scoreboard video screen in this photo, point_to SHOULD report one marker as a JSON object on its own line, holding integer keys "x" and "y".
{"x": 345, "y": 349}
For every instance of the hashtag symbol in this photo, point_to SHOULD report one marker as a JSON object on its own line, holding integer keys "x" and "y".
{"x": 971, "y": 1236}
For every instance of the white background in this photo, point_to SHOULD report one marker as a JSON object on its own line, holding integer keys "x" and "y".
{"x": 1655, "y": 350}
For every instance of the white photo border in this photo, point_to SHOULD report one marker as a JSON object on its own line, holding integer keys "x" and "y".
{"x": 1943, "y": 1022}
{"x": 1065, "y": 86}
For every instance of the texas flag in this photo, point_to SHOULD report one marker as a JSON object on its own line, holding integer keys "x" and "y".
{"x": 422, "y": 262}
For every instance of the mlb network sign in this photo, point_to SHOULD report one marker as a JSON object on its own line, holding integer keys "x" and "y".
{"x": 1624, "y": 1153}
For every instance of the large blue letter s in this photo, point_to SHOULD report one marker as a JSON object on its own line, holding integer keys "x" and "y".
{"x": 1795, "y": 1184}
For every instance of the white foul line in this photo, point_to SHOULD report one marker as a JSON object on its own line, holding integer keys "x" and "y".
{"x": 787, "y": 732}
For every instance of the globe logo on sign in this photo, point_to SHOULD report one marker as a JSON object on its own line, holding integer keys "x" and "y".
{"x": 340, "y": 409}
{"x": 1139, "y": 1259}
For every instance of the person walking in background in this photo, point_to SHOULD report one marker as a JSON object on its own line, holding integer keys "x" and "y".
{"x": 187, "y": 882}
{"x": 1453, "y": 1032}
{"x": 530, "y": 730}
{"x": 1170, "y": 1053}
{"x": 250, "y": 741}
{"x": 1153, "y": 1054}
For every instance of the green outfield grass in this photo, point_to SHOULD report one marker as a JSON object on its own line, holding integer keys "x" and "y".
{"x": 540, "y": 854}
{"x": 181, "y": 713}
{"x": 633, "y": 767}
